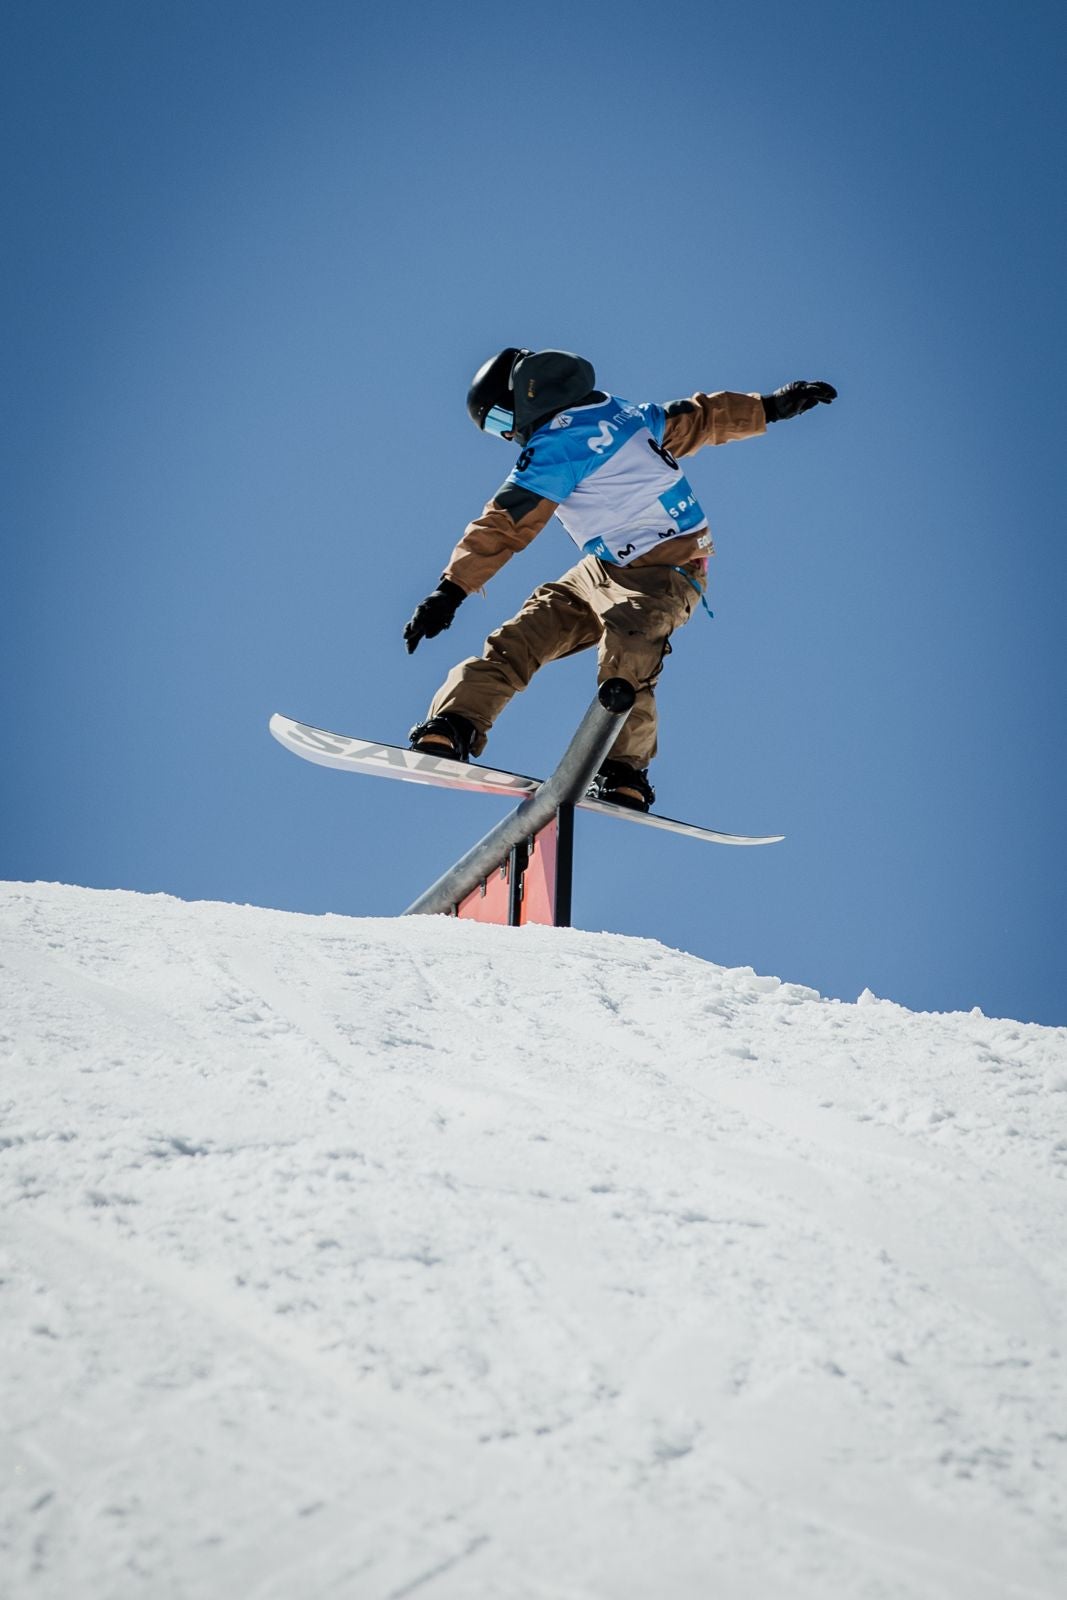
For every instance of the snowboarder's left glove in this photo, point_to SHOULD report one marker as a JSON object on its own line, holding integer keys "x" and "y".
{"x": 434, "y": 614}
{"x": 795, "y": 398}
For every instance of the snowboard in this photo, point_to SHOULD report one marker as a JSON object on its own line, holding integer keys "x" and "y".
{"x": 414, "y": 766}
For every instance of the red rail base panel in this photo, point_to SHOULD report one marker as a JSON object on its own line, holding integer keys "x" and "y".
{"x": 533, "y": 882}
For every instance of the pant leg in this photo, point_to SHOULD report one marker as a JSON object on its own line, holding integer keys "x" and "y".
{"x": 555, "y": 621}
{"x": 638, "y": 610}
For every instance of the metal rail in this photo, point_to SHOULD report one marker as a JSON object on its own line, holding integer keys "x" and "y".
{"x": 596, "y": 734}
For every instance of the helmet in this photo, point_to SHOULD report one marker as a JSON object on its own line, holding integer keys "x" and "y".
{"x": 546, "y": 382}
{"x": 491, "y": 388}
{"x": 517, "y": 391}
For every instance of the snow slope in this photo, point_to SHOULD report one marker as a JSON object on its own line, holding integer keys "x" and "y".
{"x": 381, "y": 1258}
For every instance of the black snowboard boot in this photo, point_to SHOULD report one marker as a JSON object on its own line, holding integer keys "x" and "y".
{"x": 446, "y": 735}
{"x": 623, "y": 785}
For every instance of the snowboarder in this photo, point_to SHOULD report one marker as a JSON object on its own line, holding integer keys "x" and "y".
{"x": 609, "y": 470}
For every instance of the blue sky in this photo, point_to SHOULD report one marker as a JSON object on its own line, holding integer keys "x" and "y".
{"x": 255, "y": 252}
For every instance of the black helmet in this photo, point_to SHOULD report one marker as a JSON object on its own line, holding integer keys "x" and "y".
{"x": 546, "y": 382}
{"x": 491, "y": 385}
{"x": 529, "y": 387}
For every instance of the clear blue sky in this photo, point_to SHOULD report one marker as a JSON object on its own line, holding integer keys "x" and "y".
{"x": 253, "y": 254}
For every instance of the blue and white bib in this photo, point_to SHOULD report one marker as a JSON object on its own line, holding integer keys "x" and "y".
{"x": 619, "y": 492}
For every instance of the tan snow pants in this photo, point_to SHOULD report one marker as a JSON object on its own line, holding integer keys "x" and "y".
{"x": 628, "y": 613}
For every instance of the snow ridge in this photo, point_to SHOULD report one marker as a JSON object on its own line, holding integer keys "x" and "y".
{"x": 371, "y": 1258}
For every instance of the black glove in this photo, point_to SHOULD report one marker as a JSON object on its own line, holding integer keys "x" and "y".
{"x": 795, "y": 398}
{"x": 434, "y": 614}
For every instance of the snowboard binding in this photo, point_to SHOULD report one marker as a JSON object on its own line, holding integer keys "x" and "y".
{"x": 623, "y": 785}
{"x": 448, "y": 735}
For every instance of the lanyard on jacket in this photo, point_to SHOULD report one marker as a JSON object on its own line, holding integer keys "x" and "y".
{"x": 690, "y": 579}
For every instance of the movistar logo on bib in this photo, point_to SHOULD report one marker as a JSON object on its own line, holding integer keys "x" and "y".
{"x": 614, "y": 431}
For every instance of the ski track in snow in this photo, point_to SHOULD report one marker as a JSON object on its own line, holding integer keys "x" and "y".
{"x": 381, "y": 1258}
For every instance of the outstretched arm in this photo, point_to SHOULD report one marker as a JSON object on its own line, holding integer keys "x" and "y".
{"x": 719, "y": 418}
{"x": 512, "y": 518}
{"x": 712, "y": 419}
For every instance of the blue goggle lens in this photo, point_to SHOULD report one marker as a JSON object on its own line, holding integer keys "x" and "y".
{"x": 499, "y": 421}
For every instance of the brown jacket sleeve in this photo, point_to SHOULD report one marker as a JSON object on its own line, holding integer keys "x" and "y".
{"x": 509, "y": 522}
{"x": 712, "y": 419}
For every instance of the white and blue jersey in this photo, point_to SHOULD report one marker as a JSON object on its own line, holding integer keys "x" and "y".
{"x": 618, "y": 491}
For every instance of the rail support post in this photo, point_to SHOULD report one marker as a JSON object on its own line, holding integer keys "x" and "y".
{"x": 594, "y": 737}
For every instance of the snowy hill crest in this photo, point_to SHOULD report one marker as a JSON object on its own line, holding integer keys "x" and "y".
{"x": 352, "y": 1257}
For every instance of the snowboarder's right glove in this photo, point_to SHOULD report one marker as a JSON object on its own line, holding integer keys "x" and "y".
{"x": 434, "y": 614}
{"x": 795, "y": 398}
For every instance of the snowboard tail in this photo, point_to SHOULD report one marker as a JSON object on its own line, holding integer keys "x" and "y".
{"x": 391, "y": 761}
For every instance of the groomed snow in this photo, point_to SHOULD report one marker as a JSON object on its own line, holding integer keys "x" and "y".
{"x": 368, "y": 1258}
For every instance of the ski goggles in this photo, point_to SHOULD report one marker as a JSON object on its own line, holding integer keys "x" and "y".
{"x": 498, "y": 421}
